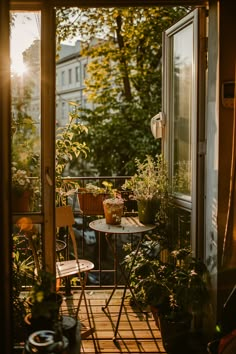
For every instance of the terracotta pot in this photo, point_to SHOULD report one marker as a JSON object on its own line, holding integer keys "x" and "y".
{"x": 113, "y": 210}
{"x": 21, "y": 202}
{"x": 91, "y": 204}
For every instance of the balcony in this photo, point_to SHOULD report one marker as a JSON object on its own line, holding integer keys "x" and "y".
{"x": 137, "y": 331}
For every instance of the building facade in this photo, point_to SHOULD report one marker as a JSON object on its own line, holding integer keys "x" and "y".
{"x": 71, "y": 71}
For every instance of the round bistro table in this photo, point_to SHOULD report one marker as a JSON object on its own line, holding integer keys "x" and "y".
{"x": 128, "y": 225}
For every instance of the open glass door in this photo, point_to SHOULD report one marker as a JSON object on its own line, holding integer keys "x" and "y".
{"x": 32, "y": 53}
{"x": 183, "y": 90}
{"x": 32, "y": 132}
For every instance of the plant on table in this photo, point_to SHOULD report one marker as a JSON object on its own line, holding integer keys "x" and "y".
{"x": 149, "y": 186}
{"x": 113, "y": 209}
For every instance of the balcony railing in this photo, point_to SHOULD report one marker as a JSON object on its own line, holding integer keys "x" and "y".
{"x": 93, "y": 245}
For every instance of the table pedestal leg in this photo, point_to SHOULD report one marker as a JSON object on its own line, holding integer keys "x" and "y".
{"x": 120, "y": 312}
{"x": 127, "y": 285}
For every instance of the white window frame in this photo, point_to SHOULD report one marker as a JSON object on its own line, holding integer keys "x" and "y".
{"x": 195, "y": 203}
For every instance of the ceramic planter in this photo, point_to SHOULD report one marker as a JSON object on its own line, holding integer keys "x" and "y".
{"x": 174, "y": 333}
{"x": 147, "y": 210}
{"x": 113, "y": 210}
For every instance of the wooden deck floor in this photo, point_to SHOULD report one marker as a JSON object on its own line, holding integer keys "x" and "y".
{"x": 137, "y": 332}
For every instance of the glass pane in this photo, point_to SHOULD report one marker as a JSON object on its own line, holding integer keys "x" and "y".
{"x": 26, "y": 111}
{"x": 26, "y": 263}
{"x": 182, "y": 71}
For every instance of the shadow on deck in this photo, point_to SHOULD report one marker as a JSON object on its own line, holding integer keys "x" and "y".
{"x": 137, "y": 331}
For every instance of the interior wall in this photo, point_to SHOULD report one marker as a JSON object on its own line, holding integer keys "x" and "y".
{"x": 227, "y": 232}
{"x": 5, "y": 216}
{"x": 211, "y": 164}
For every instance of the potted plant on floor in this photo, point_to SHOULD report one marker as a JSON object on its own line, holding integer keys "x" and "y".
{"x": 175, "y": 289}
{"x": 19, "y": 270}
{"x": 149, "y": 186}
{"x": 43, "y": 303}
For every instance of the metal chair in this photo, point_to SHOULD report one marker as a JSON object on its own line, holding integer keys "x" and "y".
{"x": 81, "y": 267}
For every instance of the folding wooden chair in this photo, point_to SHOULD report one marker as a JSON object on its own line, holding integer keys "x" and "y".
{"x": 65, "y": 268}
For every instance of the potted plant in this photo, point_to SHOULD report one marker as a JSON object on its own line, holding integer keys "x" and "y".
{"x": 19, "y": 270}
{"x": 44, "y": 303}
{"x": 113, "y": 210}
{"x": 149, "y": 186}
{"x": 91, "y": 197}
{"x": 22, "y": 189}
{"x": 23, "y": 271}
{"x": 175, "y": 289}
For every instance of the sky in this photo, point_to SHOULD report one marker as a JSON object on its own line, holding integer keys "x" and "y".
{"x": 25, "y": 30}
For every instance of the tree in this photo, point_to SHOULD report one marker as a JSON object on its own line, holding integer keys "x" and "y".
{"x": 123, "y": 79}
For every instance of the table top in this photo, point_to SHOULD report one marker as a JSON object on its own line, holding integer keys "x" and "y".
{"x": 129, "y": 225}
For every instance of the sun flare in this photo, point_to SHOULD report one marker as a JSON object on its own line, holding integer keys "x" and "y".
{"x": 18, "y": 68}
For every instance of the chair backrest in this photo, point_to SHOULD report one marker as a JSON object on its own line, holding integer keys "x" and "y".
{"x": 65, "y": 218}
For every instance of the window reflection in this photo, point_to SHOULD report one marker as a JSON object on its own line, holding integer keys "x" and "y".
{"x": 182, "y": 110}
{"x": 27, "y": 249}
{"x": 25, "y": 95}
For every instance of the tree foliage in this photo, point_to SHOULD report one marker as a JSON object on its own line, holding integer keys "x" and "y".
{"x": 123, "y": 80}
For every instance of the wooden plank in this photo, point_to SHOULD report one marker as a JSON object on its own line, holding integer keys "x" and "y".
{"x": 137, "y": 332}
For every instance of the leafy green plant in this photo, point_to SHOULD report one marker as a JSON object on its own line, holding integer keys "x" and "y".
{"x": 106, "y": 189}
{"x": 123, "y": 81}
{"x": 18, "y": 301}
{"x": 22, "y": 272}
{"x": 43, "y": 296}
{"x": 151, "y": 179}
{"x": 175, "y": 285}
{"x": 150, "y": 188}
{"x": 21, "y": 181}
{"x": 69, "y": 148}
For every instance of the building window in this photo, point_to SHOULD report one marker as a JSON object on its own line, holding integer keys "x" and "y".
{"x": 63, "y": 79}
{"x": 70, "y": 76}
{"x": 84, "y": 71}
{"x": 77, "y": 74}
{"x": 63, "y": 115}
{"x": 84, "y": 102}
